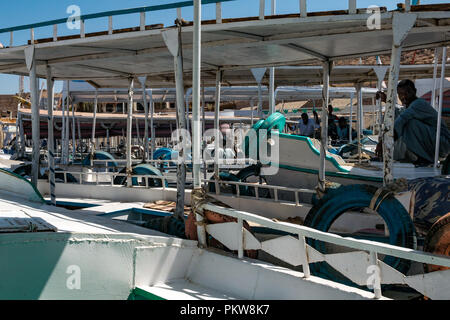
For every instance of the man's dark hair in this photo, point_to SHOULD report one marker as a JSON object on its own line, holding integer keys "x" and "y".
{"x": 304, "y": 115}
{"x": 407, "y": 84}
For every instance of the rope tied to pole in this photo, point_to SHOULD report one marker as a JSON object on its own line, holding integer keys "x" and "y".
{"x": 199, "y": 197}
{"x": 327, "y": 185}
{"x": 398, "y": 186}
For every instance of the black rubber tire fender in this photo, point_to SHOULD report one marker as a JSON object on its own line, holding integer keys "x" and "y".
{"x": 337, "y": 201}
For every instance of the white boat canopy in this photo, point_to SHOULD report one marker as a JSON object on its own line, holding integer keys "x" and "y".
{"x": 110, "y": 60}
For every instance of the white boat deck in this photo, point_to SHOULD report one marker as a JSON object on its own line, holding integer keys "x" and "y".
{"x": 78, "y": 221}
{"x": 183, "y": 289}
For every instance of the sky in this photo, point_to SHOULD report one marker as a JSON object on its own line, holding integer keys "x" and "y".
{"x": 22, "y": 12}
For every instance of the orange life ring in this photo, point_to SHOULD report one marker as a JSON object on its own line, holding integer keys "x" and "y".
{"x": 437, "y": 241}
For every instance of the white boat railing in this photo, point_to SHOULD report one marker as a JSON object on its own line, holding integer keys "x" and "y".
{"x": 112, "y": 175}
{"x": 362, "y": 266}
{"x": 258, "y": 186}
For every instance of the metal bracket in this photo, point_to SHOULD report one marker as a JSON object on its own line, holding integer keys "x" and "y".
{"x": 170, "y": 38}
{"x": 401, "y": 25}
{"x": 29, "y": 56}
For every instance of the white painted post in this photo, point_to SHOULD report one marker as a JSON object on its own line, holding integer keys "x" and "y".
{"x": 67, "y": 123}
{"x": 142, "y": 22}
{"x": 402, "y": 24}
{"x": 441, "y": 99}
{"x": 435, "y": 67}
{"x": 379, "y": 107}
{"x": 304, "y": 252}
{"x": 352, "y": 6}
{"x": 143, "y": 80}
{"x": 258, "y": 74}
{"x": 377, "y": 284}
{"x": 172, "y": 38}
{"x": 350, "y": 138}
{"x": 74, "y": 138}
{"x": 218, "y": 12}
{"x": 380, "y": 71}
{"x": 358, "y": 118}
{"x": 110, "y": 25}
{"x": 55, "y": 32}
{"x": 252, "y": 105}
{"x": 32, "y": 36}
{"x": 138, "y": 134}
{"x": 129, "y": 131}
{"x": 303, "y": 9}
{"x": 196, "y": 139}
{"x": 240, "y": 236}
{"x": 203, "y": 108}
{"x": 327, "y": 65}
{"x": 152, "y": 126}
{"x": 63, "y": 131}
{"x": 219, "y": 79}
{"x": 272, "y": 74}
{"x": 94, "y": 122}
{"x": 187, "y": 109}
{"x": 205, "y": 172}
{"x": 262, "y": 8}
{"x": 51, "y": 140}
{"x": 407, "y": 5}
{"x": 82, "y": 31}
{"x": 35, "y": 116}
{"x": 374, "y": 114}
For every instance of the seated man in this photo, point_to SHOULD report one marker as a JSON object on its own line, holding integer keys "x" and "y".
{"x": 332, "y": 128}
{"x": 307, "y": 126}
{"x": 415, "y": 128}
{"x": 343, "y": 130}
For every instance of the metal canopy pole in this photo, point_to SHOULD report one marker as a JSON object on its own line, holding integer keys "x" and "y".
{"x": 172, "y": 38}
{"x": 402, "y": 24}
{"x": 35, "y": 116}
{"x": 67, "y": 124}
{"x": 129, "y": 131}
{"x": 272, "y": 76}
{"x": 63, "y": 130}
{"x": 361, "y": 111}
{"x": 358, "y": 118}
{"x": 138, "y": 135}
{"x": 252, "y": 105}
{"x": 203, "y": 108}
{"x": 219, "y": 78}
{"x": 196, "y": 136}
{"x": 350, "y": 138}
{"x": 441, "y": 99}
{"x": 51, "y": 140}
{"x": 258, "y": 74}
{"x": 152, "y": 126}
{"x": 188, "y": 124}
{"x": 433, "y": 93}
{"x": 73, "y": 132}
{"x": 205, "y": 169}
{"x": 327, "y": 65}
{"x": 380, "y": 71}
{"x": 94, "y": 123}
